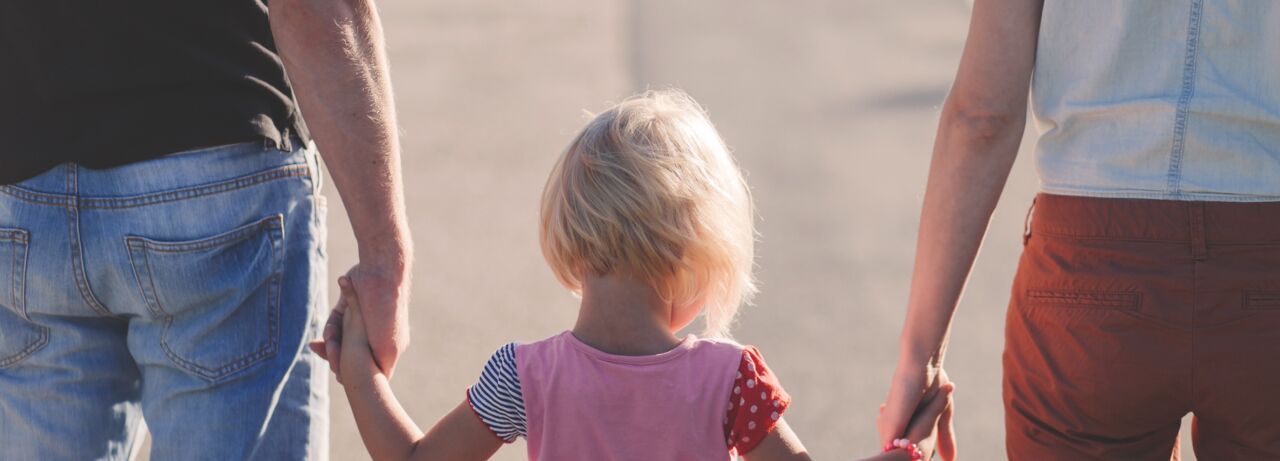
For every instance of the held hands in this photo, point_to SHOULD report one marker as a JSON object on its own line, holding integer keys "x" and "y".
{"x": 346, "y": 345}
{"x": 384, "y": 289}
{"x": 930, "y": 425}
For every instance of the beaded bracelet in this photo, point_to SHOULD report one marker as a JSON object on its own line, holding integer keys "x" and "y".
{"x": 912, "y": 449}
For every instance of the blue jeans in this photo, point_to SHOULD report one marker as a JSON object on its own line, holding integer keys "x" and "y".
{"x": 179, "y": 291}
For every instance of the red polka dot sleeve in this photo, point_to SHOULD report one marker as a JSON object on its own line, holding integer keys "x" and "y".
{"x": 755, "y": 404}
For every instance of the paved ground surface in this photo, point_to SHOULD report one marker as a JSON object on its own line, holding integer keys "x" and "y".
{"x": 830, "y": 107}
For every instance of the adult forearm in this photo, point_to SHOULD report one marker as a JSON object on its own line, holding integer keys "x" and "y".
{"x": 334, "y": 55}
{"x": 972, "y": 157}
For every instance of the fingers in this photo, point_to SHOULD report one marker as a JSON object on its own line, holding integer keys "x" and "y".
{"x": 926, "y": 420}
{"x": 329, "y": 347}
{"x": 333, "y": 338}
{"x": 333, "y": 350}
{"x": 349, "y": 320}
{"x": 353, "y": 319}
{"x": 938, "y": 404}
{"x": 384, "y": 317}
{"x": 333, "y": 326}
{"x": 348, "y": 292}
{"x": 317, "y": 346}
{"x": 903, "y": 400}
{"x": 947, "y": 434}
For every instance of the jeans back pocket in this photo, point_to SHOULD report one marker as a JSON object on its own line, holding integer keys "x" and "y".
{"x": 19, "y": 338}
{"x": 218, "y": 297}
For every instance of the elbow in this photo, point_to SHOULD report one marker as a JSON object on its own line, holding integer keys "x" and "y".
{"x": 983, "y": 124}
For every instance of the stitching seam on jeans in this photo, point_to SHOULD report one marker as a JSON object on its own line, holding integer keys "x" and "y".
{"x": 41, "y": 341}
{"x": 76, "y": 248}
{"x": 284, "y": 172}
{"x": 21, "y": 257}
{"x": 18, "y": 269}
{"x": 35, "y": 198}
{"x": 236, "y": 235}
{"x": 13, "y": 274}
{"x": 40, "y": 198}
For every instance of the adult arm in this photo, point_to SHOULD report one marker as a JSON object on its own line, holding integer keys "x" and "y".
{"x": 978, "y": 136}
{"x": 334, "y": 55}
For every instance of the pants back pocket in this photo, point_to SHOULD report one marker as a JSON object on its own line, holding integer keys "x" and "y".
{"x": 19, "y": 338}
{"x": 218, "y": 297}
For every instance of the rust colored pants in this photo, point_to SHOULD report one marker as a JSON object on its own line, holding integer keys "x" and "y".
{"x": 1128, "y": 314}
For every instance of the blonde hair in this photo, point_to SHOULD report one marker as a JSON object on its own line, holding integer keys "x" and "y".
{"x": 649, "y": 189}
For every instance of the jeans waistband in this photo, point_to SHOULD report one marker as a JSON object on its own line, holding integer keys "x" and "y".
{"x": 1156, "y": 220}
{"x": 191, "y": 172}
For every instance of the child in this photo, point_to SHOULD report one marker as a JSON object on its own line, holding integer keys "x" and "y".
{"x": 646, "y": 217}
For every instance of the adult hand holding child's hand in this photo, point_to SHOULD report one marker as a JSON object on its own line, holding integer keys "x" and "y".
{"x": 930, "y": 427}
{"x": 356, "y": 353}
{"x": 346, "y": 339}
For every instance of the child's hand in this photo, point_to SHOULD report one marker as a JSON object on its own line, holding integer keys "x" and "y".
{"x": 329, "y": 347}
{"x": 930, "y": 429}
{"x": 356, "y": 354}
{"x": 346, "y": 342}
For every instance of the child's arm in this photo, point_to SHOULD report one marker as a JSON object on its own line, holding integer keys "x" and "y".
{"x": 387, "y": 431}
{"x": 782, "y": 444}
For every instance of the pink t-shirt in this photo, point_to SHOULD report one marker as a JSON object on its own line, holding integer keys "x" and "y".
{"x": 702, "y": 400}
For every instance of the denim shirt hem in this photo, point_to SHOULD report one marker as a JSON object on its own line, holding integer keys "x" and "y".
{"x": 1160, "y": 195}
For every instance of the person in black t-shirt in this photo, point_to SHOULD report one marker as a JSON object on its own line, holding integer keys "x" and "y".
{"x": 161, "y": 227}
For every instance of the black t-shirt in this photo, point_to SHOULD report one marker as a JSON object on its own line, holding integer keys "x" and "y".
{"x": 104, "y": 83}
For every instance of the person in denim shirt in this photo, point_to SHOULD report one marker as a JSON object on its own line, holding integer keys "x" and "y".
{"x": 1149, "y": 286}
{"x": 162, "y": 229}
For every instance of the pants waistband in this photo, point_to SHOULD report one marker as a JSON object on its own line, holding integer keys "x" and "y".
{"x": 1194, "y": 222}
{"x": 221, "y": 166}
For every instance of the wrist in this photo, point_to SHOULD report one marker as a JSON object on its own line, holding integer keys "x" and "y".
{"x": 391, "y": 252}
{"x": 362, "y": 378}
{"x": 913, "y": 358}
{"x": 906, "y": 447}
{"x": 919, "y": 353}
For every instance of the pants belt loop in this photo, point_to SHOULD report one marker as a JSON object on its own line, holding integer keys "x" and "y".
{"x": 1199, "y": 249}
{"x": 286, "y": 140}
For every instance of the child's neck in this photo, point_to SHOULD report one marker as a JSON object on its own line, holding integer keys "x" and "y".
{"x": 622, "y": 316}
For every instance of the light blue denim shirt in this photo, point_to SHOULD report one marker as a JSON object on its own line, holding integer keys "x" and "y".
{"x": 1159, "y": 99}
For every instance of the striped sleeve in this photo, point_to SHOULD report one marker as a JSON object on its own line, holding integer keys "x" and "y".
{"x": 496, "y": 397}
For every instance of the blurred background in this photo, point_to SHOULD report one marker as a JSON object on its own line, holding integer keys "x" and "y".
{"x": 830, "y": 106}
